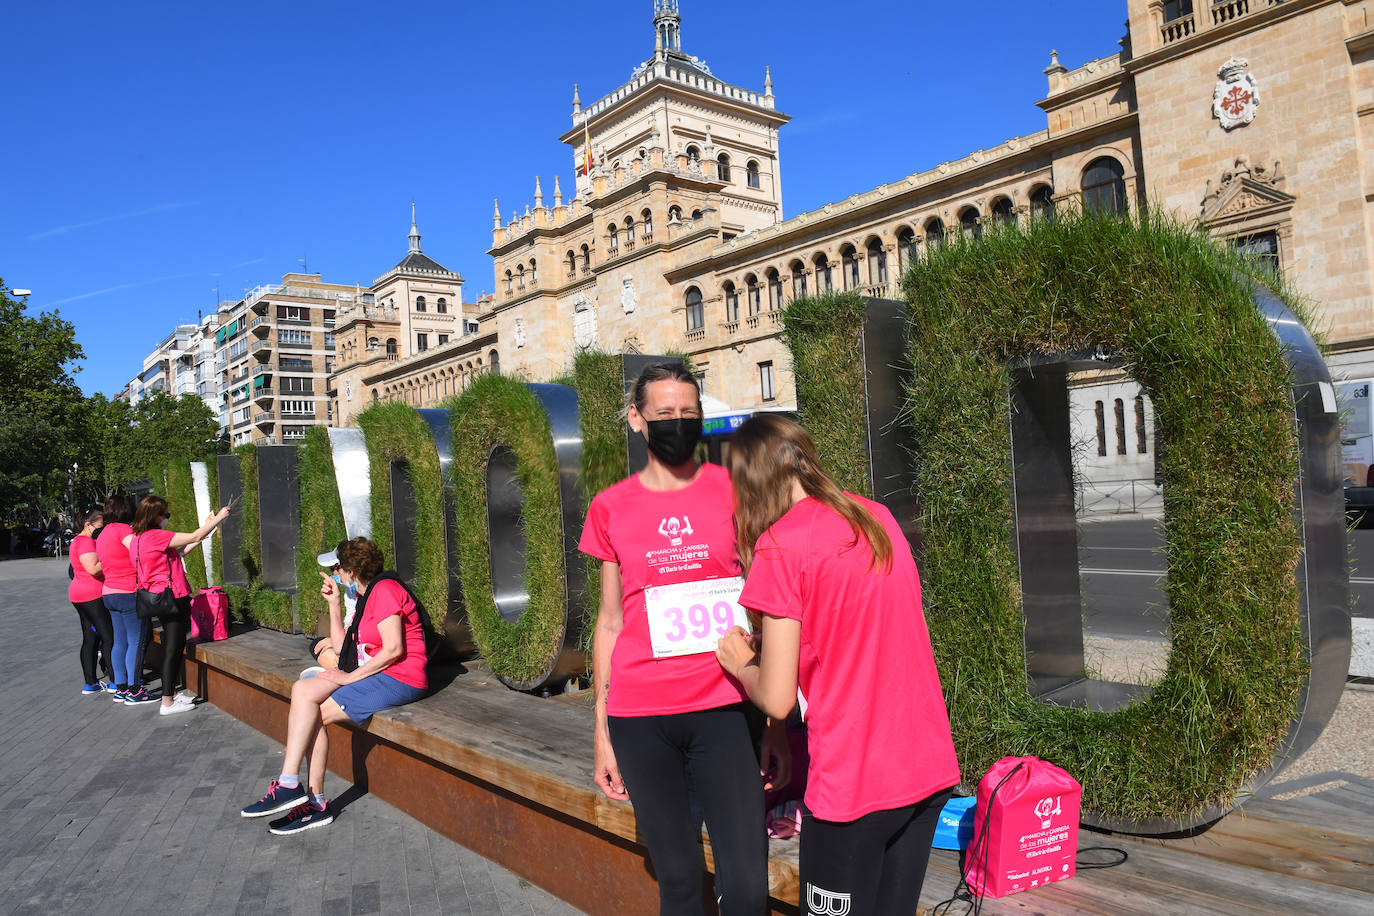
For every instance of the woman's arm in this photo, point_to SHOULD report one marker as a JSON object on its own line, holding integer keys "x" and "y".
{"x": 91, "y": 563}
{"x": 329, "y": 589}
{"x": 393, "y": 647}
{"x": 180, "y": 539}
{"x": 770, "y": 680}
{"x": 610, "y": 620}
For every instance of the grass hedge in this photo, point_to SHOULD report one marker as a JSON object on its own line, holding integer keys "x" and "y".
{"x": 498, "y": 410}
{"x": 322, "y": 522}
{"x": 1175, "y": 310}
{"x": 396, "y": 431}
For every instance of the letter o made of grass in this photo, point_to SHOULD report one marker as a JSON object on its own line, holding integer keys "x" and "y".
{"x": 516, "y": 454}
{"x": 1258, "y": 653}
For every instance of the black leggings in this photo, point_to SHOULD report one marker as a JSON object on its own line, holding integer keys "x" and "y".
{"x": 709, "y": 757}
{"x": 872, "y": 866}
{"x": 96, "y": 633}
{"x": 175, "y": 628}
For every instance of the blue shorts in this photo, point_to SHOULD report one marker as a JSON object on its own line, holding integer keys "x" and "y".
{"x": 374, "y": 693}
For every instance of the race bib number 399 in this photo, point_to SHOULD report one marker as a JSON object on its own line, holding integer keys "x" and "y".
{"x": 689, "y": 617}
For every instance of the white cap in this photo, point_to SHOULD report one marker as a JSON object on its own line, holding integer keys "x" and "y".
{"x": 329, "y": 560}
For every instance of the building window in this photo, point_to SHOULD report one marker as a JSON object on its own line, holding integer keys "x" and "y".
{"x": 419, "y": 303}
{"x": 443, "y": 339}
{"x": 421, "y": 342}
{"x": 731, "y": 302}
{"x": 1140, "y": 425}
{"x": 495, "y": 362}
{"x": 614, "y": 232}
{"x": 510, "y": 281}
{"x": 375, "y": 396}
{"x": 293, "y": 312}
{"x": 971, "y": 223}
{"x": 774, "y": 290}
{"x": 696, "y": 315}
{"x": 647, "y": 219}
{"x": 1177, "y": 9}
{"x": 1003, "y": 213}
{"x": 849, "y": 267}
{"x": 877, "y": 263}
{"x": 1104, "y": 186}
{"x": 823, "y": 281}
{"x": 1120, "y": 414}
{"x": 751, "y": 174}
{"x": 629, "y": 231}
{"x": 674, "y": 214}
{"x": 441, "y": 306}
{"x": 693, "y": 155}
{"x": 1042, "y": 203}
{"x": 755, "y": 294}
{"x": 798, "y": 279}
{"x": 906, "y": 248}
{"x": 586, "y": 259}
{"x": 724, "y": 162}
{"x": 391, "y": 346}
{"x": 572, "y": 264}
{"x": 1101, "y": 429}
{"x": 534, "y": 273}
{"x": 766, "y": 389}
{"x": 293, "y": 385}
{"x": 935, "y": 234}
{"x": 1263, "y": 246}
{"x": 696, "y": 215}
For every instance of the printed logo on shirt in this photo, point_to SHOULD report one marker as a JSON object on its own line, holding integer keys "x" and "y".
{"x": 821, "y": 902}
{"x": 673, "y": 530}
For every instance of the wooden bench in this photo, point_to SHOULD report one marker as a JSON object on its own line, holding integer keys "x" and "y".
{"x": 510, "y": 776}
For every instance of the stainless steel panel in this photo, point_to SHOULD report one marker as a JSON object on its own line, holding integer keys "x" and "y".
{"x": 888, "y": 441}
{"x": 279, "y": 519}
{"x": 456, "y": 627}
{"x": 352, "y": 474}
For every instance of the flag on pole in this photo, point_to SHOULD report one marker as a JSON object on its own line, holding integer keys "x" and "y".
{"x": 586, "y": 147}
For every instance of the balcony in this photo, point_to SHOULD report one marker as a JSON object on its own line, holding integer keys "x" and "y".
{"x": 263, "y": 393}
{"x": 295, "y": 344}
{"x": 265, "y": 440}
{"x": 298, "y": 414}
{"x": 696, "y": 334}
{"x": 1223, "y": 11}
{"x": 291, "y": 364}
{"x": 261, "y": 324}
{"x": 262, "y": 369}
{"x": 263, "y": 419}
{"x": 1177, "y": 29}
{"x": 262, "y": 347}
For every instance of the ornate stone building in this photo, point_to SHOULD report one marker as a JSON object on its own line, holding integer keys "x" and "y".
{"x": 1252, "y": 116}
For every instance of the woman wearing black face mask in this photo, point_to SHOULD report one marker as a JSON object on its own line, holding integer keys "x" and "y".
{"x": 669, "y": 728}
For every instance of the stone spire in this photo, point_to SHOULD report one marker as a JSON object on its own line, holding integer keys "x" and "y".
{"x": 538, "y": 194}
{"x": 667, "y": 27}
{"x": 767, "y": 82}
{"x": 414, "y": 232}
{"x": 557, "y": 193}
{"x": 577, "y": 101}
{"x": 495, "y": 213}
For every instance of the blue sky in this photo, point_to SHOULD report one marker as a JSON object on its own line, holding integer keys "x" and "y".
{"x": 151, "y": 149}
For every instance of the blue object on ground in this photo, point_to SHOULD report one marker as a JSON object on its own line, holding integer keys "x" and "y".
{"x": 955, "y": 828}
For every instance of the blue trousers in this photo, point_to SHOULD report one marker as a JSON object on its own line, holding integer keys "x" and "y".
{"x": 130, "y": 638}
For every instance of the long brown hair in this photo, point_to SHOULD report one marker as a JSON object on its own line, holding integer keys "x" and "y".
{"x": 149, "y": 511}
{"x": 767, "y": 452}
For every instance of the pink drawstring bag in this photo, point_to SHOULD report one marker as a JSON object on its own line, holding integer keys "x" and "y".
{"x": 1025, "y": 830}
{"x": 210, "y": 615}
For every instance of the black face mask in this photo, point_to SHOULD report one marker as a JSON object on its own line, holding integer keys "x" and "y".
{"x": 674, "y": 441}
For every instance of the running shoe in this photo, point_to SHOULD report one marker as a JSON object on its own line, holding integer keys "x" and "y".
{"x": 89, "y": 690}
{"x": 112, "y": 687}
{"x": 302, "y": 817}
{"x": 278, "y": 799}
{"x": 139, "y": 697}
{"x": 120, "y": 695}
{"x": 174, "y": 708}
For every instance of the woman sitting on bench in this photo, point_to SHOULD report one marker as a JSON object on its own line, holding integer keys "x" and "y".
{"x": 387, "y": 617}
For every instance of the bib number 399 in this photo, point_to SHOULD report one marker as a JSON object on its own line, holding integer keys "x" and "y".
{"x": 689, "y": 617}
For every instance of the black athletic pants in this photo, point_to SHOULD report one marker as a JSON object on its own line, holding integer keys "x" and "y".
{"x": 175, "y": 628}
{"x": 709, "y": 757}
{"x": 96, "y": 633}
{"x": 873, "y": 866}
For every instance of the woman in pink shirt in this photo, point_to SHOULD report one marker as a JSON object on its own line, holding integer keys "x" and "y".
{"x": 156, "y": 555}
{"x": 117, "y": 594}
{"x": 835, "y": 583}
{"x": 671, "y": 728}
{"x": 84, "y": 593}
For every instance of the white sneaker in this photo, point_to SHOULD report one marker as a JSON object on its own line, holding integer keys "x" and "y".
{"x": 185, "y": 696}
{"x": 175, "y": 708}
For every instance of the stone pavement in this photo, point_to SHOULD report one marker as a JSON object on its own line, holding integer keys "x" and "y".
{"x": 115, "y": 809}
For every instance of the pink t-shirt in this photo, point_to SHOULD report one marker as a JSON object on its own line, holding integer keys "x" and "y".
{"x": 158, "y": 563}
{"x": 84, "y": 586}
{"x": 115, "y": 564}
{"x": 384, "y": 599}
{"x": 878, "y": 732}
{"x": 662, "y": 538}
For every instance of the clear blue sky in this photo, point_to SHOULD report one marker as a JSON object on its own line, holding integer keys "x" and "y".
{"x": 150, "y": 148}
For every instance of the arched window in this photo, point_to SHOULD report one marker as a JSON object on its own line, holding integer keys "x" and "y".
{"x": 751, "y": 174}
{"x": 970, "y": 223}
{"x": 520, "y": 276}
{"x": 935, "y": 234}
{"x": 572, "y": 263}
{"x": 1104, "y": 186}
{"x": 648, "y": 219}
{"x": 391, "y": 346}
{"x": 373, "y": 343}
{"x": 510, "y": 282}
{"x": 1177, "y": 9}
{"x": 629, "y": 232}
{"x": 1120, "y": 416}
{"x": 824, "y": 283}
{"x": 419, "y": 303}
{"x": 1003, "y": 213}
{"x": 674, "y": 214}
{"x": 375, "y": 396}
{"x": 495, "y": 362}
{"x": 774, "y": 290}
{"x": 614, "y": 232}
{"x": 751, "y": 283}
{"x": 1140, "y": 445}
{"x": 849, "y": 267}
{"x": 1101, "y": 429}
{"x": 724, "y": 162}
{"x": 798, "y": 279}
{"x": 696, "y": 214}
{"x": 906, "y": 247}
{"x": 1042, "y": 203}
{"x": 693, "y": 155}
{"x": 877, "y": 263}
{"x": 586, "y": 259}
{"x": 441, "y": 306}
{"x": 696, "y": 314}
{"x": 731, "y": 301}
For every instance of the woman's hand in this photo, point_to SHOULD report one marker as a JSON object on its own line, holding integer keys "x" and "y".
{"x": 335, "y": 676}
{"x": 606, "y": 771}
{"x": 222, "y": 514}
{"x": 735, "y": 651}
{"x": 329, "y": 590}
{"x": 775, "y": 756}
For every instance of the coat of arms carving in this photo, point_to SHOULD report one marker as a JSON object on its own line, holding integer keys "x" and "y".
{"x": 1236, "y": 97}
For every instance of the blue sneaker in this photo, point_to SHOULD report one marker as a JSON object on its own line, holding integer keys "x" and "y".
{"x": 112, "y": 687}
{"x": 302, "y": 817}
{"x": 278, "y": 799}
{"x": 139, "y": 697}
{"x": 119, "y": 695}
{"x": 91, "y": 689}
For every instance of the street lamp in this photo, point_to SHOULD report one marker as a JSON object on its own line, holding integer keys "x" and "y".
{"x": 22, "y": 292}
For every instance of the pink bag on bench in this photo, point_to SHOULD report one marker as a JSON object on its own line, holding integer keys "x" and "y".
{"x": 210, "y": 615}
{"x": 1025, "y": 827}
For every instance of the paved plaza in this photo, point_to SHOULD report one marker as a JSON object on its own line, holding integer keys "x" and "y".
{"x": 113, "y": 809}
